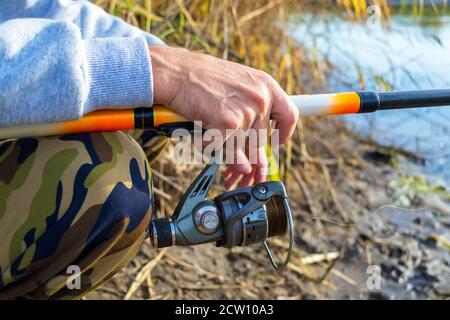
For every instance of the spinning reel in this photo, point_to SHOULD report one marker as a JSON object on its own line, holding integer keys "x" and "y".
{"x": 241, "y": 217}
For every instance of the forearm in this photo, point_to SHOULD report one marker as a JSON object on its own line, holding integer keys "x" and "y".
{"x": 49, "y": 73}
{"x": 74, "y": 59}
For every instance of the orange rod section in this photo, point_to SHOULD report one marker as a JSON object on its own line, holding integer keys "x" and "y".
{"x": 163, "y": 115}
{"x": 345, "y": 103}
{"x": 104, "y": 120}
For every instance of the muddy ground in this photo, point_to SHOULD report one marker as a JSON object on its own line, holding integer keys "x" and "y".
{"x": 349, "y": 228}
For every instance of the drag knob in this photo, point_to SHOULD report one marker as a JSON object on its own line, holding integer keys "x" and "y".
{"x": 207, "y": 218}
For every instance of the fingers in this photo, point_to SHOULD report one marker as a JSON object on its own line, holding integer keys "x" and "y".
{"x": 285, "y": 113}
{"x": 240, "y": 167}
{"x": 232, "y": 179}
{"x": 247, "y": 180}
{"x": 262, "y": 166}
{"x": 259, "y": 170}
{"x": 245, "y": 175}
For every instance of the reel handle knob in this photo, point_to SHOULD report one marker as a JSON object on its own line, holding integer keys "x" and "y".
{"x": 162, "y": 233}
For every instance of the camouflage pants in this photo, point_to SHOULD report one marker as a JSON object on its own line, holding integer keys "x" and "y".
{"x": 77, "y": 201}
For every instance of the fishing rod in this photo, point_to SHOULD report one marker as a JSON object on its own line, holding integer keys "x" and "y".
{"x": 252, "y": 215}
{"x": 244, "y": 216}
{"x": 165, "y": 120}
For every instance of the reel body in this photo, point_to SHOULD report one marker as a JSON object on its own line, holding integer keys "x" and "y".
{"x": 240, "y": 217}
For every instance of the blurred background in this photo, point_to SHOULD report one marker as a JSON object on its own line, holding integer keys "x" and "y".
{"x": 370, "y": 193}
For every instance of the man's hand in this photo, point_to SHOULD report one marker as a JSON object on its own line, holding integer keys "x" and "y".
{"x": 223, "y": 95}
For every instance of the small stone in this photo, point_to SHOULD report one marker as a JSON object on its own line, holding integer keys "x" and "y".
{"x": 435, "y": 202}
{"x": 443, "y": 289}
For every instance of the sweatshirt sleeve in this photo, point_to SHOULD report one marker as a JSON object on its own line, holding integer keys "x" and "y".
{"x": 49, "y": 73}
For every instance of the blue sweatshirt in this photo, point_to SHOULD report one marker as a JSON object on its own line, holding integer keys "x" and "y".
{"x": 60, "y": 59}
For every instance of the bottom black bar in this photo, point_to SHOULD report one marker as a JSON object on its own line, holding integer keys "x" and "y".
{"x": 264, "y": 309}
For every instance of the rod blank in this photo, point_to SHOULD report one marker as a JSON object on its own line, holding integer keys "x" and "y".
{"x": 165, "y": 120}
{"x": 414, "y": 99}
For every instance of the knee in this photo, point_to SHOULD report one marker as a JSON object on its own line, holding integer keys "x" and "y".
{"x": 115, "y": 185}
{"x": 122, "y": 184}
{"x": 91, "y": 183}
{"x": 68, "y": 198}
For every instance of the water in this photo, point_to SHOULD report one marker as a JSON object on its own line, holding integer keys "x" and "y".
{"x": 410, "y": 54}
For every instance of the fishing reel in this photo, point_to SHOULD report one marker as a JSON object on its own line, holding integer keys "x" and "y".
{"x": 241, "y": 217}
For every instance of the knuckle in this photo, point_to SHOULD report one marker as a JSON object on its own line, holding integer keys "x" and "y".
{"x": 247, "y": 117}
{"x": 295, "y": 113}
{"x": 264, "y": 75}
{"x": 229, "y": 122}
{"x": 269, "y": 79}
{"x": 265, "y": 78}
{"x": 261, "y": 103}
{"x": 262, "y": 99}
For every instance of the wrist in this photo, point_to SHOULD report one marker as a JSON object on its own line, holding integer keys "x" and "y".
{"x": 168, "y": 68}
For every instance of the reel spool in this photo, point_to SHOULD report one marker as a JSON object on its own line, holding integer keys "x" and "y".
{"x": 240, "y": 217}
